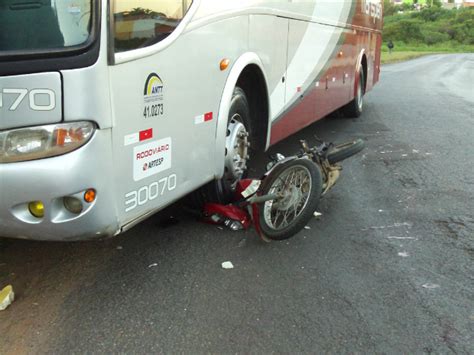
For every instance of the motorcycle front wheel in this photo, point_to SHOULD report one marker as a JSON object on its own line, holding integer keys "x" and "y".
{"x": 299, "y": 183}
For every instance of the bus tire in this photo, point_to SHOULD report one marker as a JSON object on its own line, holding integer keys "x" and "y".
{"x": 237, "y": 154}
{"x": 355, "y": 108}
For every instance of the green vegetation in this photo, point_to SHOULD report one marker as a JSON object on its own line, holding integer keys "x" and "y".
{"x": 433, "y": 29}
{"x": 408, "y": 5}
{"x": 402, "y": 56}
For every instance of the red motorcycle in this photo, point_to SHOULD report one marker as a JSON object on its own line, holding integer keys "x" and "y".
{"x": 283, "y": 201}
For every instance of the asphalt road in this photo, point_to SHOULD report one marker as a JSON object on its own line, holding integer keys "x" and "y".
{"x": 387, "y": 269}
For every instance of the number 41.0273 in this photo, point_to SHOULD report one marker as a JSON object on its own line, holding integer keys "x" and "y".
{"x": 153, "y": 111}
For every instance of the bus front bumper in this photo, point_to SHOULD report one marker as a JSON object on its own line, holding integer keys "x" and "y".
{"x": 50, "y": 181}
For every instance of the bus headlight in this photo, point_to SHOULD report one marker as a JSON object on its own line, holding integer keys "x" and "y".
{"x": 31, "y": 143}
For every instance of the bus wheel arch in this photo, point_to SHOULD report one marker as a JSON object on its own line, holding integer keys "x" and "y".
{"x": 252, "y": 82}
{"x": 244, "y": 72}
{"x": 245, "y": 86}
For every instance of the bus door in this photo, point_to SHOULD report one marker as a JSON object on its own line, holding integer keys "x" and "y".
{"x": 166, "y": 97}
{"x": 164, "y": 123}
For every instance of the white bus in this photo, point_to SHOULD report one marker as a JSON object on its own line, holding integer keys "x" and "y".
{"x": 111, "y": 110}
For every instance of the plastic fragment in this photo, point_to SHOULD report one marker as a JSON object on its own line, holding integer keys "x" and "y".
{"x": 7, "y": 296}
{"x": 430, "y": 286}
{"x": 403, "y": 238}
{"x": 227, "y": 265}
{"x": 152, "y": 265}
{"x": 317, "y": 214}
{"x": 307, "y": 227}
{"x": 403, "y": 254}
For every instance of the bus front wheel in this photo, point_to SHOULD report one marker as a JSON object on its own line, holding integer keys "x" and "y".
{"x": 236, "y": 154}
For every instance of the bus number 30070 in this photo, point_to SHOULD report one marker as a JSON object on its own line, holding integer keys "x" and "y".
{"x": 151, "y": 111}
{"x": 150, "y": 193}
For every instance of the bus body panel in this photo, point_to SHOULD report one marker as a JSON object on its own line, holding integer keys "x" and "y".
{"x": 273, "y": 52}
{"x": 86, "y": 90}
{"x": 335, "y": 81}
{"x": 28, "y": 100}
{"x": 49, "y": 180}
{"x": 87, "y": 95}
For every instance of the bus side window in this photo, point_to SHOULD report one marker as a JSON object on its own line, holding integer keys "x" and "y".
{"x": 142, "y": 23}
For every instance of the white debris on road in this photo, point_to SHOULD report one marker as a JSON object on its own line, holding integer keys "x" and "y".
{"x": 307, "y": 227}
{"x": 430, "y": 286}
{"x": 227, "y": 265}
{"x": 7, "y": 296}
{"x": 317, "y": 214}
{"x": 403, "y": 238}
{"x": 152, "y": 265}
{"x": 395, "y": 225}
{"x": 403, "y": 254}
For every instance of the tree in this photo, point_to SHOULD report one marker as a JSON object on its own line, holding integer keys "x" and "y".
{"x": 388, "y": 8}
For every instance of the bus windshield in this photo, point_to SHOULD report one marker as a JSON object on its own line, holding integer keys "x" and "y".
{"x": 42, "y": 25}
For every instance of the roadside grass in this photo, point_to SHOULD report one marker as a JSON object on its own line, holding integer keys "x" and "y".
{"x": 403, "y": 52}
{"x": 446, "y": 47}
{"x": 396, "y": 57}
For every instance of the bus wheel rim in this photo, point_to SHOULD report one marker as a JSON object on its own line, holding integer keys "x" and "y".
{"x": 237, "y": 151}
